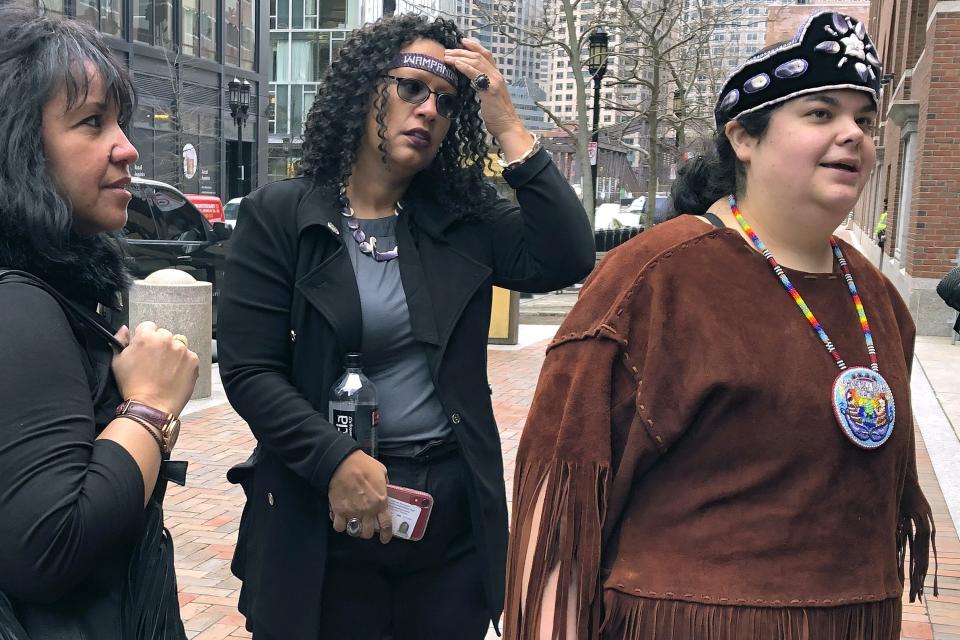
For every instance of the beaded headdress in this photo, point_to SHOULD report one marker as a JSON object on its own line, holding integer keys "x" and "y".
{"x": 830, "y": 51}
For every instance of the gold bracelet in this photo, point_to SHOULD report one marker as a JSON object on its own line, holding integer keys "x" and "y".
{"x": 143, "y": 423}
{"x": 513, "y": 164}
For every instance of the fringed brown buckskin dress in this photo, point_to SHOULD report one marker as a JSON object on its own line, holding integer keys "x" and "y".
{"x": 698, "y": 485}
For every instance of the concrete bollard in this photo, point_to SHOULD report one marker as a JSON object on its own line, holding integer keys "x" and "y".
{"x": 177, "y": 302}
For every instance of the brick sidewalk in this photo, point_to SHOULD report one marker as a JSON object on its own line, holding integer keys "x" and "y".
{"x": 204, "y": 516}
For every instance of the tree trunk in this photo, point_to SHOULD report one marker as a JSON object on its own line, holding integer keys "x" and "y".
{"x": 652, "y": 179}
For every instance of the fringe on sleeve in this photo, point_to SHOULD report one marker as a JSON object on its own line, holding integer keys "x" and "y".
{"x": 916, "y": 532}
{"x": 570, "y": 531}
{"x": 565, "y": 455}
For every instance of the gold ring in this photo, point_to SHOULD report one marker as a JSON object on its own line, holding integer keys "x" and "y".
{"x": 182, "y": 338}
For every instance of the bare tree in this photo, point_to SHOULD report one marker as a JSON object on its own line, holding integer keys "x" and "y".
{"x": 666, "y": 53}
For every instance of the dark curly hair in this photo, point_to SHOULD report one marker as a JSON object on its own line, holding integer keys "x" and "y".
{"x": 336, "y": 122}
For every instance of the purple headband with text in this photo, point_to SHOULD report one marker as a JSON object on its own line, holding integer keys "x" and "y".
{"x": 427, "y": 63}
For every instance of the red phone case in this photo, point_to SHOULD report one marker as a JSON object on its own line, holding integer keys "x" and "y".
{"x": 410, "y": 510}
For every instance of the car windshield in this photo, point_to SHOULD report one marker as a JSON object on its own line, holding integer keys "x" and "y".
{"x": 230, "y": 210}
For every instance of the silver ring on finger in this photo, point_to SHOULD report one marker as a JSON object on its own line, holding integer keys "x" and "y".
{"x": 481, "y": 82}
{"x": 353, "y": 527}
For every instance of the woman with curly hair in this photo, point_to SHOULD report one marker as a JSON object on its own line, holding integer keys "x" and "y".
{"x": 387, "y": 246}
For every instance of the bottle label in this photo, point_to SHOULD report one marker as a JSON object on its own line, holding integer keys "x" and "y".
{"x": 344, "y": 422}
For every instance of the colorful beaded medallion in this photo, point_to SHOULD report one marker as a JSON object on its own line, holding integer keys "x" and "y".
{"x": 862, "y": 400}
{"x": 864, "y": 407}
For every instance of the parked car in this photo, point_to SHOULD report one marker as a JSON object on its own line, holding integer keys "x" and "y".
{"x": 210, "y": 206}
{"x": 610, "y": 215}
{"x": 661, "y": 211}
{"x": 165, "y": 230}
{"x": 230, "y": 212}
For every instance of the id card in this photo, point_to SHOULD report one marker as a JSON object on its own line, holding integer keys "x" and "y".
{"x": 409, "y": 510}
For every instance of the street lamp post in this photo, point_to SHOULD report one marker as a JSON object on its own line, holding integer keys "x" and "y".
{"x": 597, "y": 66}
{"x": 239, "y": 110}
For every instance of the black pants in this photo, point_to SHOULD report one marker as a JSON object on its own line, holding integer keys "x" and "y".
{"x": 405, "y": 590}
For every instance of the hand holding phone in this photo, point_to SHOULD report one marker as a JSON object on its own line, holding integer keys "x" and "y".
{"x": 409, "y": 511}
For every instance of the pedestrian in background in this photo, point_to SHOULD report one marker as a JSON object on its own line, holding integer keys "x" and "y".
{"x": 388, "y": 245}
{"x": 83, "y": 429}
{"x": 721, "y": 443}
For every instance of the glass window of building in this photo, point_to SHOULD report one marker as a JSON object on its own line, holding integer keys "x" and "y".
{"x": 283, "y": 115}
{"x": 111, "y": 17}
{"x": 199, "y": 23}
{"x": 311, "y": 16}
{"x": 272, "y": 111}
{"x": 88, "y": 12}
{"x": 310, "y": 56}
{"x": 208, "y": 29}
{"x": 189, "y": 19}
{"x": 153, "y": 22}
{"x": 231, "y": 33}
{"x": 248, "y": 35}
{"x": 280, "y": 54}
{"x": 296, "y": 14}
{"x": 332, "y": 14}
{"x": 50, "y": 7}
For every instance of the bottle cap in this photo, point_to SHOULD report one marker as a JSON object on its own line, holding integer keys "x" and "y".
{"x": 353, "y": 360}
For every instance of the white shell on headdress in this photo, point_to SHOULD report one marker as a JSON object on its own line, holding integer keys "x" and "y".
{"x": 730, "y": 99}
{"x": 841, "y": 25}
{"x": 791, "y": 69}
{"x": 829, "y": 47}
{"x": 756, "y": 83}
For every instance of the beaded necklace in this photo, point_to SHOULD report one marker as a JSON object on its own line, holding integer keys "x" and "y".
{"x": 862, "y": 400}
{"x": 367, "y": 246}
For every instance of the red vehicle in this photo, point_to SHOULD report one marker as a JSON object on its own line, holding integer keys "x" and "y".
{"x": 209, "y": 206}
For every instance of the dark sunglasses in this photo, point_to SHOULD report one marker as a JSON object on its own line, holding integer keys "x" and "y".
{"x": 417, "y": 92}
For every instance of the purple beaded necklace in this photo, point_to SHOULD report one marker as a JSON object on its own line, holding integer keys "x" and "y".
{"x": 367, "y": 246}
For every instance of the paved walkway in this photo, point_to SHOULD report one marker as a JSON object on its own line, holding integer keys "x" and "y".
{"x": 204, "y": 516}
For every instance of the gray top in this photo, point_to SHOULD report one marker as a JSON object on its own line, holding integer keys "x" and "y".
{"x": 393, "y": 360}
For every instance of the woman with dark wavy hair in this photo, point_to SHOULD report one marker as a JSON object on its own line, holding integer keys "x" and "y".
{"x": 721, "y": 443}
{"x": 387, "y": 246}
{"x": 83, "y": 431}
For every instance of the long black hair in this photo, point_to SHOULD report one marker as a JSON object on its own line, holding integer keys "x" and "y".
{"x": 40, "y": 56}
{"x": 337, "y": 120}
{"x": 706, "y": 178}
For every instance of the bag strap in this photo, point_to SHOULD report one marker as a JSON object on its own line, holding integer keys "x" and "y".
{"x": 70, "y": 308}
{"x": 714, "y": 219}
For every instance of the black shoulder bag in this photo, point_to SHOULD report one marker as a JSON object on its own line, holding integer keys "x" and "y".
{"x": 150, "y": 609}
{"x": 949, "y": 290}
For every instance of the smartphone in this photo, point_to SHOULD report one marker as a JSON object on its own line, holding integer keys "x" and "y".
{"x": 410, "y": 511}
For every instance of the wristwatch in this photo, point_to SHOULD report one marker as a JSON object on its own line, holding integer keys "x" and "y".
{"x": 166, "y": 424}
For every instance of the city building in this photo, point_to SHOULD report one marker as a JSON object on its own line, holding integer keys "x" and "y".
{"x": 525, "y": 94}
{"x": 305, "y": 37}
{"x": 917, "y": 176}
{"x": 783, "y": 20}
{"x": 182, "y": 54}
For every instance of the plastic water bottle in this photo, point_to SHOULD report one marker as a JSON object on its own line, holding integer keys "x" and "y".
{"x": 353, "y": 404}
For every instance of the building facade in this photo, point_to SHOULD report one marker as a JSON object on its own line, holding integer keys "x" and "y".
{"x": 917, "y": 177}
{"x": 182, "y": 54}
{"x": 784, "y": 20}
